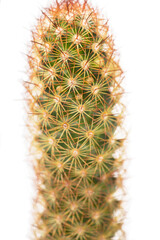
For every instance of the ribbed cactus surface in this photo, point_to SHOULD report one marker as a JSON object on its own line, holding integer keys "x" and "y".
{"x": 75, "y": 113}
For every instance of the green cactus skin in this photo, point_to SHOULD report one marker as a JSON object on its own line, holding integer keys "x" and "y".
{"x": 73, "y": 91}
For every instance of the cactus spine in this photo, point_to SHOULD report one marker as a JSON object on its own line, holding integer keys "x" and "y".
{"x": 73, "y": 94}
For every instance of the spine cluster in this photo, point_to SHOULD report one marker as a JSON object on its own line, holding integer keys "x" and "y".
{"x": 74, "y": 92}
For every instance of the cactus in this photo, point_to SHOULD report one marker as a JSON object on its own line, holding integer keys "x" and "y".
{"x": 75, "y": 111}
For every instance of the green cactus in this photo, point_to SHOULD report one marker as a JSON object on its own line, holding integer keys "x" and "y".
{"x": 73, "y": 94}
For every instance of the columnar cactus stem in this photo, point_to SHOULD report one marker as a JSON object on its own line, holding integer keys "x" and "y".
{"x": 74, "y": 98}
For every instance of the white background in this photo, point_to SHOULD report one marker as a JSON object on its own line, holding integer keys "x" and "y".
{"x": 135, "y": 26}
